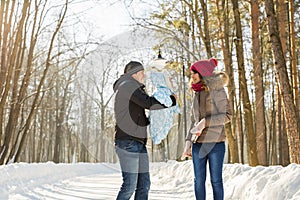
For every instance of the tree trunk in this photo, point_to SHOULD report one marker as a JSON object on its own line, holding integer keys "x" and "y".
{"x": 37, "y": 98}
{"x": 293, "y": 47}
{"x": 284, "y": 86}
{"x": 282, "y": 140}
{"x": 260, "y": 128}
{"x": 227, "y": 55}
{"x": 273, "y": 126}
{"x": 206, "y": 36}
{"x": 251, "y": 140}
{"x": 240, "y": 130}
{"x": 15, "y": 106}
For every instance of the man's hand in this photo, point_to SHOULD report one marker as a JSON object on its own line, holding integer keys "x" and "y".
{"x": 174, "y": 98}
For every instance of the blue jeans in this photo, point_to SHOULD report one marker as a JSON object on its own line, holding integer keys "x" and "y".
{"x": 214, "y": 154}
{"x": 134, "y": 162}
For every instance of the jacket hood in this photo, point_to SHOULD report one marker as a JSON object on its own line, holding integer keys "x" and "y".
{"x": 217, "y": 81}
{"x": 119, "y": 81}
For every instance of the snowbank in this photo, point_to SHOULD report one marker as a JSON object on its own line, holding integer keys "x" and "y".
{"x": 171, "y": 180}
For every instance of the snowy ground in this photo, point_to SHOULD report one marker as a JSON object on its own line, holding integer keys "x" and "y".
{"x": 171, "y": 180}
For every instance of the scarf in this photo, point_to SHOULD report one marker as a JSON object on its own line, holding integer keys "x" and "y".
{"x": 197, "y": 87}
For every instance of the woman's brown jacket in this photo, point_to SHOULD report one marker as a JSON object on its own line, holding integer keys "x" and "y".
{"x": 212, "y": 105}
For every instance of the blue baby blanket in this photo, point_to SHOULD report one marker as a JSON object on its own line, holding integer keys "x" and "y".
{"x": 161, "y": 121}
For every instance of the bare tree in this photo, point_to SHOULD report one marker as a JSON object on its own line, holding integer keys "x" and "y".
{"x": 26, "y": 69}
{"x": 224, "y": 32}
{"x": 294, "y": 73}
{"x": 281, "y": 144}
{"x": 248, "y": 117}
{"x": 260, "y": 128}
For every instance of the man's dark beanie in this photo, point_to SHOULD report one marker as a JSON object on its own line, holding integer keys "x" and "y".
{"x": 133, "y": 67}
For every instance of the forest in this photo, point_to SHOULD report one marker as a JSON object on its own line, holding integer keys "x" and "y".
{"x": 56, "y": 90}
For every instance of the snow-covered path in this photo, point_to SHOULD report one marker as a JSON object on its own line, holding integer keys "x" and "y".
{"x": 102, "y": 185}
{"x": 171, "y": 180}
{"x": 83, "y": 187}
{"x": 92, "y": 187}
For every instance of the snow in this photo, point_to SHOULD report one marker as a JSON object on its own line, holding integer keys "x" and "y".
{"x": 169, "y": 180}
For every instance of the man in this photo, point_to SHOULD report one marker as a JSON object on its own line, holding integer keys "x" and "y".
{"x": 131, "y": 130}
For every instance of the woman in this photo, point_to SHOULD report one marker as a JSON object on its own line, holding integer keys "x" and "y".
{"x": 210, "y": 112}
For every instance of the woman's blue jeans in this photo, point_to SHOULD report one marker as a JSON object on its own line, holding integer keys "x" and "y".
{"x": 134, "y": 162}
{"x": 213, "y": 153}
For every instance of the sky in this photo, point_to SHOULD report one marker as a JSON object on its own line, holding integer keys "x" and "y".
{"x": 169, "y": 180}
{"x": 107, "y": 18}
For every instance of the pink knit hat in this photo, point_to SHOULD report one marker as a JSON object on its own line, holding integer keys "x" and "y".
{"x": 205, "y": 67}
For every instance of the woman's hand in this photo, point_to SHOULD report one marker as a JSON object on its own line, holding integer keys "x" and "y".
{"x": 187, "y": 152}
{"x": 197, "y": 130}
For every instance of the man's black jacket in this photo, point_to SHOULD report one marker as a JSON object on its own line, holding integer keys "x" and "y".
{"x": 131, "y": 100}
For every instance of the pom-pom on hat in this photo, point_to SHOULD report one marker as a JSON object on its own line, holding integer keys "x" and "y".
{"x": 205, "y": 67}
